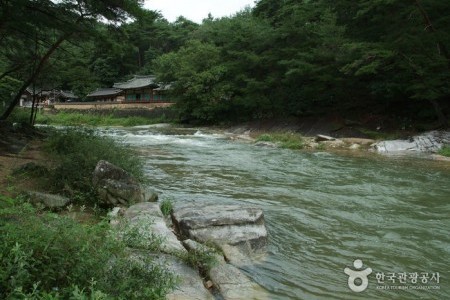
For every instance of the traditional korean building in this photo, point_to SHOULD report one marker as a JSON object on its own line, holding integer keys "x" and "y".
{"x": 142, "y": 89}
{"x": 107, "y": 94}
{"x": 67, "y": 96}
{"x": 45, "y": 97}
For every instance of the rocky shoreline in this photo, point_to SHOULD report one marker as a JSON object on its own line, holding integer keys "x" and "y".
{"x": 427, "y": 143}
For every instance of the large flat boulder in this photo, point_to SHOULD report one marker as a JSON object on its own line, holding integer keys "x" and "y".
{"x": 146, "y": 221}
{"x": 194, "y": 217}
{"x": 233, "y": 228}
{"x": 189, "y": 284}
{"x": 230, "y": 281}
{"x": 427, "y": 142}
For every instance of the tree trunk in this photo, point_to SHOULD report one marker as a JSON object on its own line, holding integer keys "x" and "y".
{"x": 430, "y": 28}
{"x": 32, "y": 105}
{"x": 33, "y": 76}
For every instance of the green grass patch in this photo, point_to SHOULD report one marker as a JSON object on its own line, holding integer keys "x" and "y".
{"x": 90, "y": 119}
{"x": 48, "y": 256}
{"x": 285, "y": 140}
{"x": 378, "y": 135}
{"x": 166, "y": 207}
{"x": 445, "y": 151}
{"x": 203, "y": 258}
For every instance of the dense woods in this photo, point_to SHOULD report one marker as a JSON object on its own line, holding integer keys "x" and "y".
{"x": 279, "y": 59}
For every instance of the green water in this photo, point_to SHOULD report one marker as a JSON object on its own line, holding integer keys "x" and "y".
{"x": 322, "y": 210}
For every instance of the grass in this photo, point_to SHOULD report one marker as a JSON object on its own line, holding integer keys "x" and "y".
{"x": 72, "y": 155}
{"x": 77, "y": 118}
{"x": 166, "y": 207}
{"x": 203, "y": 258}
{"x": 378, "y": 135}
{"x": 285, "y": 140}
{"x": 77, "y": 153}
{"x": 445, "y": 151}
{"x": 48, "y": 256}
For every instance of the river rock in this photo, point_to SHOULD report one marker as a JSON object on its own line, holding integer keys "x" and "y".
{"x": 190, "y": 284}
{"x": 266, "y": 144}
{"x": 428, "y": 142}
{"x": 230, "y": 281}
{"x": 49, "y": 200}
{"x": 147, "y": 220}
{"x": 354, "y": 147}
{"x": 116, "y": 186}
{"x": 323, "y": 138}
{"x": 232, "y": 228}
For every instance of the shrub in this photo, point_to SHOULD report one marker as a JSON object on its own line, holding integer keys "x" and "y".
{"x": 166, "y": 207}
{"x": 285, "y": 140}
{"x": 76, "y": 153}
{"x": 203, "y": 258}
{"x": 445, "y": 151}
{"x": 53, "y": 257}
{"x": 87, "y": 118}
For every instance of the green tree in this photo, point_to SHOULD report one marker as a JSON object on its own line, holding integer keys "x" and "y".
{"x": 400, "y": 50}
{"x": 196, "y": 74}
{"x": 48, "y": 25}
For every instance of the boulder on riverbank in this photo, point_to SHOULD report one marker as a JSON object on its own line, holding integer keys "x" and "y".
{"x": 238, "y": 231}
{"x": 431, "y": 141}
{"x": 115, "y": 186}
{"x": 143, "y": 227}
{"x": 230, "y": 282}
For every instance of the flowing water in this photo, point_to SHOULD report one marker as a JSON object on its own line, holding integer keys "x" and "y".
{"x": 322, "y": 210}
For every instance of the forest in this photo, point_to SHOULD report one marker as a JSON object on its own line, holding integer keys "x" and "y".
{"x": 279, "y": 59}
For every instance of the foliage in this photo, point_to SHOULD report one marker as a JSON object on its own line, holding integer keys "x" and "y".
{"x": 279, "y": 59}
{"x": 20, "y": 115}
{"x": 31, "y": 32}
{"x": 285, "y": 140}
{"x": 76, "y": 118}
{"x": 76, "y": 153}
{"x": 203, "y": 258}
{"x": 46, "y": 256}
{"x": 380, "y": 135}
{"x": 139, "y": 235}
{"x": 166, "y": 207}
{"x": 445, "y": 151}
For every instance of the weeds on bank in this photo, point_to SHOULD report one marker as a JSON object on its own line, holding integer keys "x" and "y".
{"x": 166, "y": 207}
{"x": 76, "y": 118}
{"x": 445, "y": 151}
{"x": 139, "y": 235}
{"x": 379, "y": 135}
{"x": 285, "y": 140}
{"x": 47, "y": 256}
{"x": 76, "y": 152}
{"x": 204, "y": 258}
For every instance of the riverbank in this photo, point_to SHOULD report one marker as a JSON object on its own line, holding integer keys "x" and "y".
{"x": 204, "y": 166}
{"x": 175, "y": 261}
{"x": 55, "y": 241}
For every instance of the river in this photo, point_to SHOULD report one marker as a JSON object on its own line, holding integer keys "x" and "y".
{"x": 322, "y": 210}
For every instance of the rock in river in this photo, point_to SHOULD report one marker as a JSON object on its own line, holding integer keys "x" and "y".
{"x": 238, "y": 231}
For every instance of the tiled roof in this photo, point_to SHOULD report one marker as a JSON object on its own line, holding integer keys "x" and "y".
{"x": 68, "y": 94}
{"x": 164, "y": 87}
{"x": 105, "y": 92}
{"x": 137, "y": 82}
